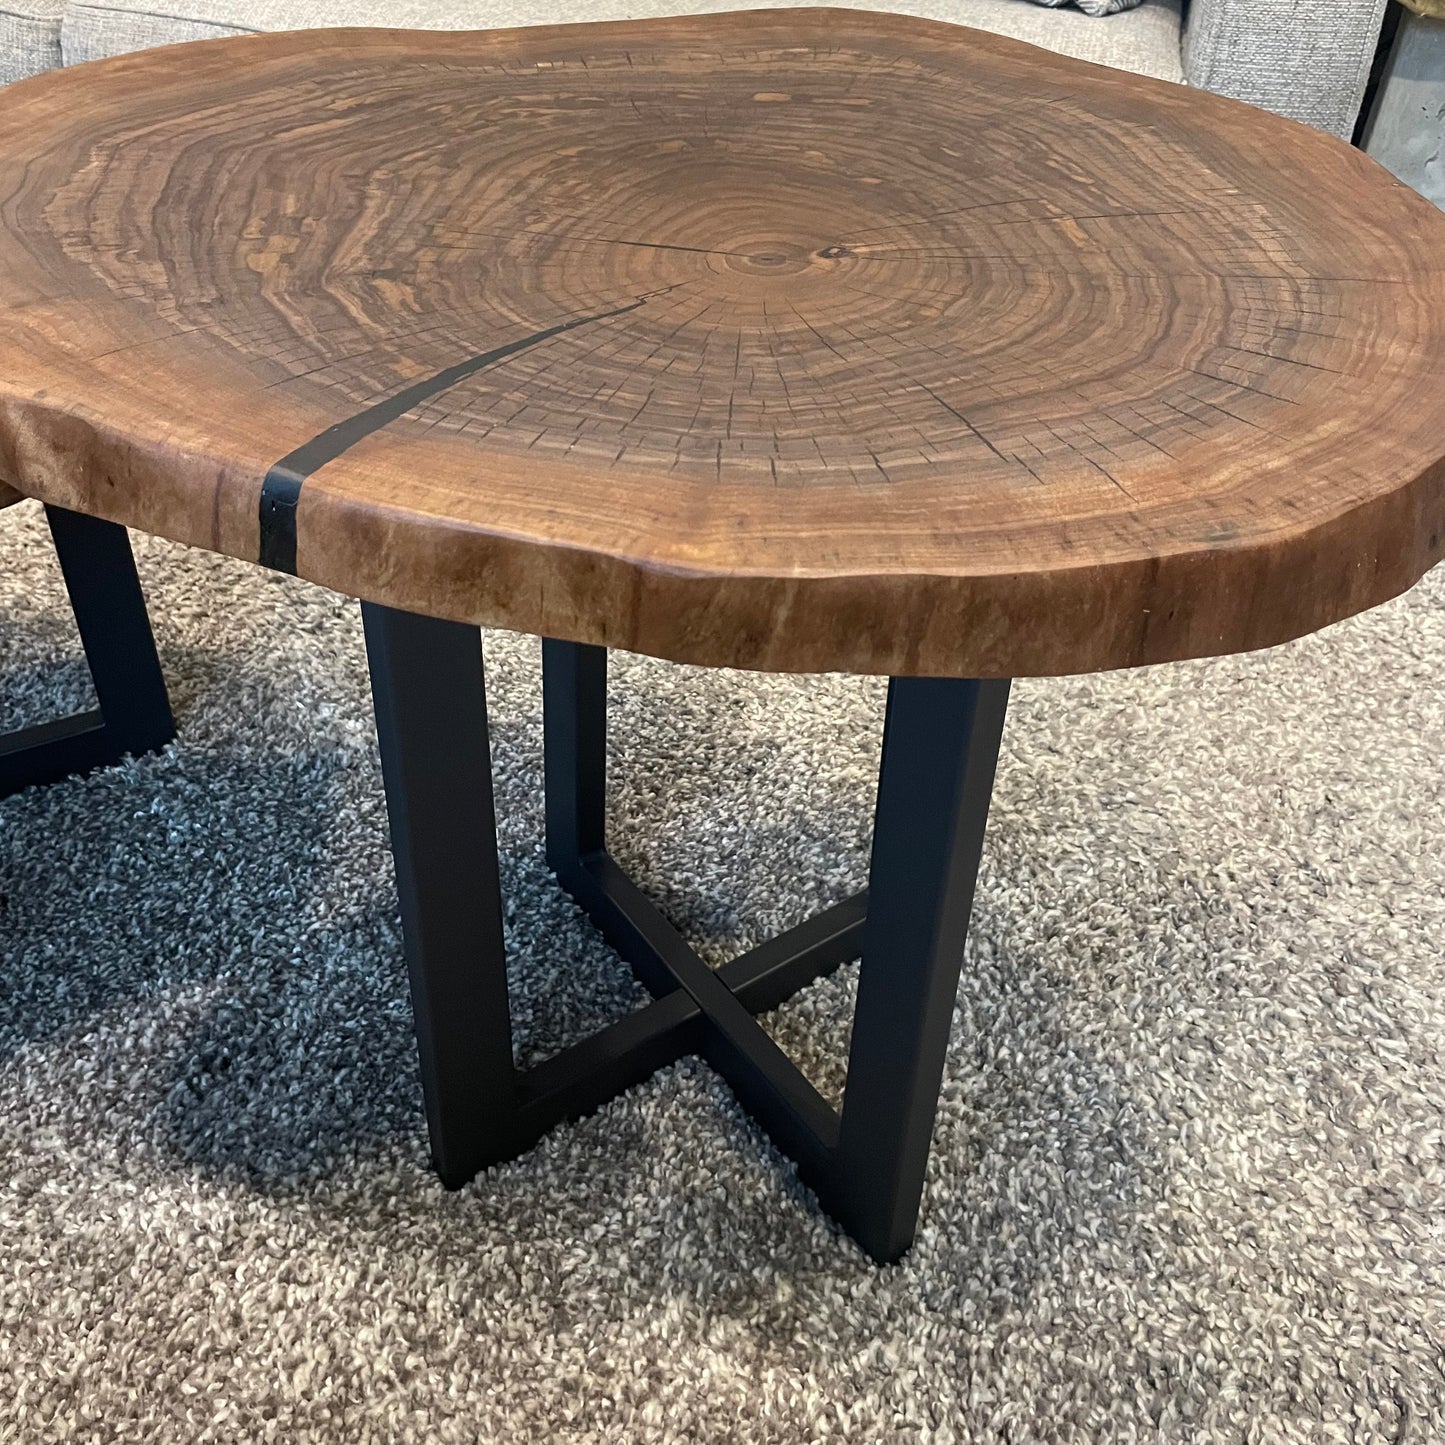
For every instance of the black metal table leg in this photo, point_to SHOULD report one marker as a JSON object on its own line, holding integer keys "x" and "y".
{"x": 431, "y": 721}
{"x": 867, "y": 1164}
{"x": 940, "y": 746}
{"x": 940, "y": 749}
{"x": 574, "y": 703}
{"x": 429, "y": 691}
{"x": 134, "y": 715}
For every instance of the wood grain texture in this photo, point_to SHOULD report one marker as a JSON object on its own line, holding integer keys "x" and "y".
{"x": 791, "y": 340}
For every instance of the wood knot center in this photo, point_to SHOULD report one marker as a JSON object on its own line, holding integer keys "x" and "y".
{"x": 772, "y": 258}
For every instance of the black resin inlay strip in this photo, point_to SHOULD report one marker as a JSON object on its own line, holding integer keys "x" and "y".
{"x": 281, "y": 490}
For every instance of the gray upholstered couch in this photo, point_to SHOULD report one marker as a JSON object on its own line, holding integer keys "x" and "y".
{"x": 1303, "y": 58}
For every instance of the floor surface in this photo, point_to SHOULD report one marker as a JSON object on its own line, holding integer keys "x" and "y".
{"x": 1188, "y": 1180}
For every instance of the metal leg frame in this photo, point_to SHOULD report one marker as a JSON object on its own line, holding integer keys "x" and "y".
{"x": 866, "y": 1164}
{"x": 134, "y": 715}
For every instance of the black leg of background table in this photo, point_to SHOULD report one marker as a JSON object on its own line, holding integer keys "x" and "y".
{"x": 940, "y": 747}
{"x": 431, "y": 720}
{"x": 110, "y": 611}
{"x": 134, "y": 715}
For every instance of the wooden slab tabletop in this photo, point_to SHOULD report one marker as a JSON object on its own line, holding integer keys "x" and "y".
{"x": 792, "y": 340}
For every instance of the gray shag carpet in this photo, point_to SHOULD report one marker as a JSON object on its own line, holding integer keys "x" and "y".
{"x": 1188, "y": 1180}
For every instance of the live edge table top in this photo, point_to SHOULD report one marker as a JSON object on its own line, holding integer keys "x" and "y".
{"x": 791, "y": 340}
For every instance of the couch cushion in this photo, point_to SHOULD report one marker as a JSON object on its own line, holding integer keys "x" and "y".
{"x": 1145, "y": 40}
{"x": 29, "y": 37}
{"x": 1095, "y": 7}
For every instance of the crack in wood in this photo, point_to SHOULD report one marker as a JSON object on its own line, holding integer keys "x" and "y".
{"x": 281, "y": 490}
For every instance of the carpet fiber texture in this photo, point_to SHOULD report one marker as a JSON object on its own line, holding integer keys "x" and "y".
{"x": 1188, "y": 1180}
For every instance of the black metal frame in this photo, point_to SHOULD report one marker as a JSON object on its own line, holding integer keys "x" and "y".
{"x": 134, "y": 715}
{"x": 866, "y": 1163}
